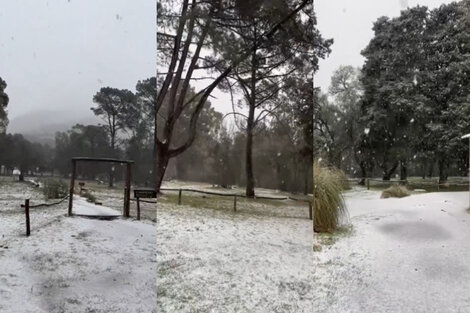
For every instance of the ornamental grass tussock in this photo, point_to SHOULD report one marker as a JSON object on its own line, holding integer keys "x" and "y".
{"x": 329, "y": 206}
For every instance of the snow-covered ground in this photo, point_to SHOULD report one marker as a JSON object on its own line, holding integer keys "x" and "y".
{"x": 402, "y": 255}
{"x": 217, "y": 260}
{"x": 73, "y": 264}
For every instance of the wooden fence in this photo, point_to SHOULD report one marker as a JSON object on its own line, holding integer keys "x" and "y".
{"x": 236, "y": 196}
{"x": 430, "y": 183}
{"x": 27, "y": 208}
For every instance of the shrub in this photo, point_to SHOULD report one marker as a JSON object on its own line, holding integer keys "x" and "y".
{"x": 328, "y": 202}
{"x": 395, "y": 191}
{"x": 89, "y": 196}
{"x": 54, "y": 189}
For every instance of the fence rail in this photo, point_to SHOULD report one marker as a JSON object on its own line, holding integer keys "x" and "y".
{"x": 27, "y": 208}
{"x": 236, "y": 195}
{"x": 430, "y": 183}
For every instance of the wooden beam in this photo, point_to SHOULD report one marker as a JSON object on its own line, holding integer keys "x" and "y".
{"x": 87, "y": 159}
{"x": 72, "y": 184}
{"x": 127, "y": 197}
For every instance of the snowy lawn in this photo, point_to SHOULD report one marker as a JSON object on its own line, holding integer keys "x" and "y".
{"x": 402, "y": 255}
{"x": 211, "y": 259}
{"x": 73, "y": 264}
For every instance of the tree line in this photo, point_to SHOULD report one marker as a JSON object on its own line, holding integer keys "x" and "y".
{"x": 405, "y": 110}
{"x": 127, "y": 131}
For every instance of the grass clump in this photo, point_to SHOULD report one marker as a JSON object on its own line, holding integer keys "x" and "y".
{"x": 328, "y": 202}
{"x": 342, "y": 179}
{"x": 395, "y": 191}
{"x": 89, "y": 196}
{"x": 54, "y": 189}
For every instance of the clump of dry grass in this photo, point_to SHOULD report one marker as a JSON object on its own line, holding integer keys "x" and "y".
{"x": 395, "y": 191}
{"x": 328, "y": 202}
{"x": 342, "y": 178}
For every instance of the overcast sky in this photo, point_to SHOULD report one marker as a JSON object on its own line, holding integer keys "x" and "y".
{"x": 349, "y": 23}
{"x": 56, "y": 54}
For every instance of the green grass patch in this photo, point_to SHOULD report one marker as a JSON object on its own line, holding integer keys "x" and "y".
{"x": 54, "y": 188}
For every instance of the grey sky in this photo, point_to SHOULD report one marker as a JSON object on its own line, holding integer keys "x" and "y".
{"x": 57, "y": 54}
{"x": 349, "y": 23}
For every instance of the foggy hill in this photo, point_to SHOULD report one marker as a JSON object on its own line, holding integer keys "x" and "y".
{"x": 41, "y": 126}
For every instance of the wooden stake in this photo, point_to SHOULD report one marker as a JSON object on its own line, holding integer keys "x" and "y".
{"x": 138, "y": 209}
{"x": 179, "y": 196}
{"x": 127, "y": 198}
{"x": 26, "y": 212}
{"x": 235, "y": 203}
{"x": 72, "y": 183}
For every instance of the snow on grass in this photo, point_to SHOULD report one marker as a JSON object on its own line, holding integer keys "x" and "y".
{"x": 216, "y": 260}
{"x": 74, "y": 264}
{"x": 402, "y": 255}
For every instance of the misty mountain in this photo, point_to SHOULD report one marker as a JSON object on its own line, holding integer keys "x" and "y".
{"x": 41, "y": 126}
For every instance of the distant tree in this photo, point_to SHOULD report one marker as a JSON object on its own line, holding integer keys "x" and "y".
{"x": 146, "y": 134}
{"x": 81, "y": 140}
{"x": 346, "y": 90}
{"x": 260, "y": 77}
{"x": 416, "y": 87}
{"x": 117, "y": 107}
{"x": 4, "y": 99}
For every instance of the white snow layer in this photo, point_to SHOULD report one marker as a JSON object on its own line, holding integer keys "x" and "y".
{"x": 74, "y": 264}
{"x": 222, "y": 261}
{"x": 83, "y": 207}
{"x": 403, "y": 255}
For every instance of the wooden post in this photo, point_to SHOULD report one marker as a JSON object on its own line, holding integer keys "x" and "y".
{"x": 125, "y": 202}
{"x": 26, "y": 212}
{"x": 235, "y": 203}
{"x": 138, "y": 209}
{"x": 72, "y": 183}
{"x": 368, "y": 183}
{"x": 310, "y": 210}
{"x": 179, "y": 196}
{"x": 127, "y": 199}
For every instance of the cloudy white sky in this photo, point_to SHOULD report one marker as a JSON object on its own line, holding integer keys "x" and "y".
{"x": 56, "y": 54}
{"x": 349, "y": 23}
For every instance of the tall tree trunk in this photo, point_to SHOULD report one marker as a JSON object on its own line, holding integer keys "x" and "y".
{"x": 442, "y": 171}
{"x": 431, "y": 169}
{"x": 111, "y": 176}
{"x": 162, "y": 163}
{"x": 21, "y": 176}
{"x": 154, "y": 179}
{"x": 363, "y": 168}
{"x": 113, "y": 147}
{"x": 250, "y": 180}
{"x": 403, "y": 170}
{"x": 423, "y": 168}
{"x": 387, "y": 174}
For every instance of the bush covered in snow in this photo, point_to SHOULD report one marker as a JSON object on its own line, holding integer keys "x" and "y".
{"x": 54, "y": 189}
{"x": 395, "y": 191}
{"x": 329, "y": 206}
